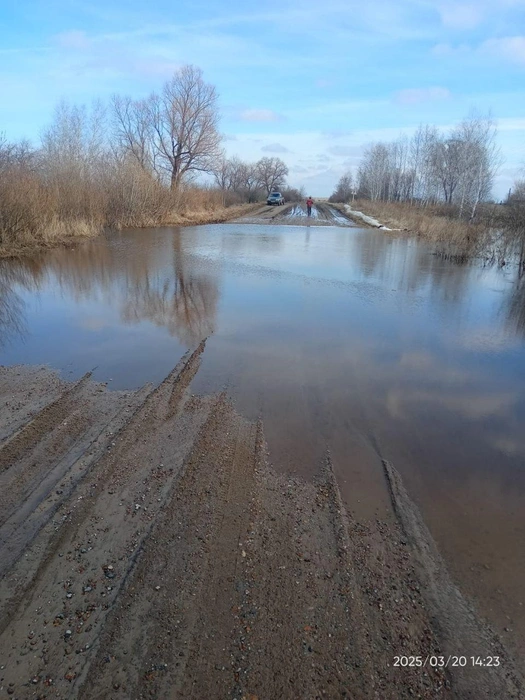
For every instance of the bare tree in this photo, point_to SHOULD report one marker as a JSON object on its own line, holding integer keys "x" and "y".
{"x": 184, "y": 120}
{"x": 16, "y": 155}
{"x": 483, "y": 158}
{"x": 344, "y": 189}
{"x": 249, "y": 180}
{"x": 271, "y": 173}
{"x": 423, "y": 181}
{"x": 457, "y": 168}
{"x": 75, "y": 141}
{"x": 133, "y": 130}
{"x": 222, "y": 173}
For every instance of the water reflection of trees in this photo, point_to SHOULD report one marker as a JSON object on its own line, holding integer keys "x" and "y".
{"x": 12, "y": 309}
{"x": 516, "y": 308}
{"x": 185, "y": 304}
{"x": 147, "y": 275}
{"x": 403, "y": 264}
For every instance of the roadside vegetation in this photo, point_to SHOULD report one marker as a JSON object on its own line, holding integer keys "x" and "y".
{"x": 130, "y": 163}
{"x": 439, "y": 185}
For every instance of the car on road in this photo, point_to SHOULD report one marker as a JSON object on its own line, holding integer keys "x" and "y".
{"x": 275, "y": 198}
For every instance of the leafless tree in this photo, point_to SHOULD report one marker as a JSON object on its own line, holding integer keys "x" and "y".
{"x": 133, "y": 131}
{"x": 76, "y": 139}
{"x": 482, "y": 157}
{"x": 271, "y": 174}
{"x": 222, "y": 173}
{"x": 344, "y": 189}
{"x": 457, "y": 168}
{"x": 184, "y": 120}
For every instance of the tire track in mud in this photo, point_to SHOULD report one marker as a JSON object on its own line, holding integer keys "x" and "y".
{"x": 314, "y": 628}
{"x": 294, "y": 214}
{"x": 179, "y": 564}
{"x": 115, "y": 478}
{"x": 461, "y": 631}
{"x": 19, "y": 403}
{"x": 29, "y": 435}
{"x": 184, "y": 631}
{"x": 60, "y": 441}
{"x": 31, "y": 509}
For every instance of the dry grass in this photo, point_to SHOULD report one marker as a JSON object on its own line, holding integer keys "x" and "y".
{"x": 40, "y": 212}
{"x": 452, "y": 238}
{"x": 56, "y": 233}
{"x": 205, "y": 207}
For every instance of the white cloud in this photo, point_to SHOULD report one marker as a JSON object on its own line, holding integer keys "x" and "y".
{"x": 354, "y": 150}
{"x": 511, "y": 124}
{"x": 461, "y": 16}
{"x": 74, "y": 39}
{"x": 512, "y": 48}
{"x": 336, "y": 134}
{"x": 323, "y": 83}
{"x": 413, "y": 96}
{"x": 260, "y": 115}
{"x": 93, "y": 323}
{"x": 275, "y": 148}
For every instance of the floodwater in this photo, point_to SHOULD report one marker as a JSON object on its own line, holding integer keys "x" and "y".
{"x": 341, "y": 339}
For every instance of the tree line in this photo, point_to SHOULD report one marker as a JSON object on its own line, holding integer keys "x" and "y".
{"x": 250, "y": 182}
{"x": 125, "y": 163}
{"x": 449, "y": 172}
{"x": 455, "y": 167}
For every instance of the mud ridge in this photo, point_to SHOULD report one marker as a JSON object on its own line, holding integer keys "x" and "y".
{"x": 88, "y": 476}
{"x": 160, "y": 554}
{"x": 29, "y": 434}
{"x": 461, "y": 631}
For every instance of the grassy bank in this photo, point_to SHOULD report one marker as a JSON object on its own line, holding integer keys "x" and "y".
{"x": 38, "y": 221}
{"x": 216, "y": 215}
{"x": 437, "y": 224}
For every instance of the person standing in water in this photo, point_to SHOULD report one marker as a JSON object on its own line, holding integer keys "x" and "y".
{"x": 309, "y": 204}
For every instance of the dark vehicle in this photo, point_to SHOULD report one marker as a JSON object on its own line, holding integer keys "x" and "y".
{"x": 275, "y": 198}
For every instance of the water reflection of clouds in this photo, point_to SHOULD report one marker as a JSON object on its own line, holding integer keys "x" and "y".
{"x": 486, "y": 338}
{"x": 403, "y": 403}
{"x": 509, "y": 446}
{"x": 93, "y": 323}
{"x": 428, "y": 363}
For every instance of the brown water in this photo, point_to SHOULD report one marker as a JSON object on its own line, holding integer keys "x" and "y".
{"x": 346, "y": 340}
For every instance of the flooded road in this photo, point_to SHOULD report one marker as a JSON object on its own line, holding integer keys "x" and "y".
{"x": 340, "y": 339}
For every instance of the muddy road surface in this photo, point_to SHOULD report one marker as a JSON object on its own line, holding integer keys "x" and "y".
{"x": 295, "y": 214}
{"x": 150, "y": 550}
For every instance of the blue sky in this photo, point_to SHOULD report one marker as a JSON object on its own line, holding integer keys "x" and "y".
{"x": 311, "y": 82}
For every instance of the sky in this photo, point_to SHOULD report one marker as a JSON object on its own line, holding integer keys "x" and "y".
{"x": 310, "y": 82}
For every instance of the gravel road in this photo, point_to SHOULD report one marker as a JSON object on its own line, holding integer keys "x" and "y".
{"x": 294, "y": 214}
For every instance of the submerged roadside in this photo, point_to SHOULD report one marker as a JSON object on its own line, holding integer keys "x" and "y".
{"x": 72, "y": 233}
{"x": 496, "y": 235}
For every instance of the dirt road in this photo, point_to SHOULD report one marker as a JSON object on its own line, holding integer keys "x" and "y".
{"x": 149, "y": 550}
{"x": 323, "y": 214}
